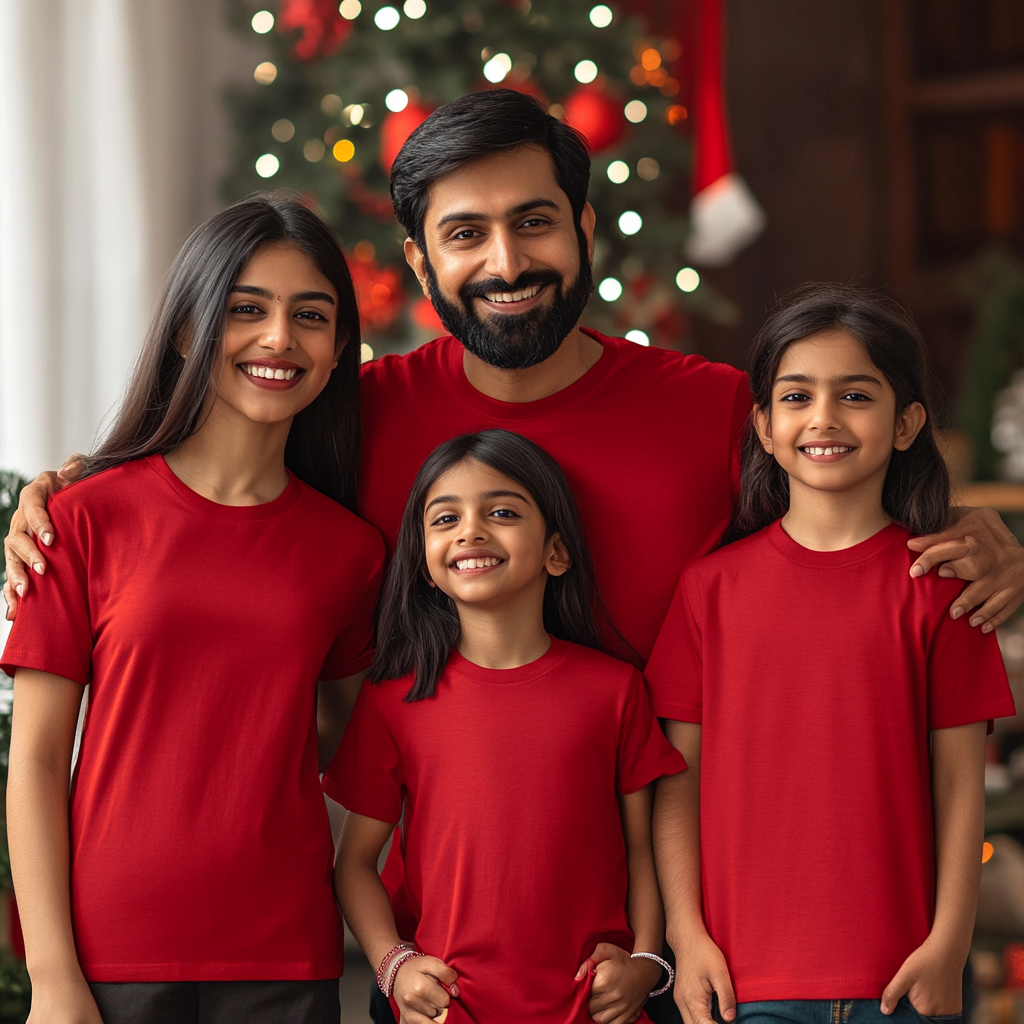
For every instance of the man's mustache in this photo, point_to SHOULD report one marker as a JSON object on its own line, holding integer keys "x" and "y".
{"x": 480, "y": 289}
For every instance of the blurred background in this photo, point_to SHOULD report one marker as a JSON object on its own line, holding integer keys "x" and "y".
{"x": 740, "y": 148}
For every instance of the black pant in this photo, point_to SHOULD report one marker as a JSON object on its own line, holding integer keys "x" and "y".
{"x": 218, "y": 1002}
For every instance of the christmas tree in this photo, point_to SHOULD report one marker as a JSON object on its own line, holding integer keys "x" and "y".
{"x": 342, "y": 87}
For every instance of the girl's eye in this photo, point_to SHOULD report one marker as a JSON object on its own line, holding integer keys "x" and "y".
{"x": 505, "y": 513}
{"x": 795, "y": 398}
{"x": 445, "y": 520}
{"x": 856, "y": 396}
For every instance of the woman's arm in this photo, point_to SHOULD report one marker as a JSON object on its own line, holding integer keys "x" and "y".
{"x": 701, "y": 969}
{"x": 931, "y": 975}
{"x": 364, "y": 902}
{"x": 42, "y": 738}
{"x": 335, "y": 700}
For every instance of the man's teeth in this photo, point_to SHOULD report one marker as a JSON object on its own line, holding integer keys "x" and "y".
{"x": 268, "y": 372}
{"x": 476, "y": 563}
{"x": 836, "y": 449}
{"x": 527, "y": 293}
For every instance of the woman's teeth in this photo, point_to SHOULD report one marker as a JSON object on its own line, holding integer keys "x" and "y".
{"x": 836, "y": 449}
{"x": 268, "y": 372}
{"x": 527, "y": 293}
{"x": 476, "y": 563}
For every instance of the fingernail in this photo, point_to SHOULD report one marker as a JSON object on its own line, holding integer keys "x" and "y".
{"x": 977, "y": 620}
{"x": 957, "y": 612}
{"x": 38, "y": 566}
{"x": 987, "y": 628}
{"x": 20, "y": 589}
{"x": 916, "y": 570}
{"x": 47, "y": 539}
{"x": 454, "y": 990}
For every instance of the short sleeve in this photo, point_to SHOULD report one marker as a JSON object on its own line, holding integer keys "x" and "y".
{"x": 366, "y": 775}
{"x": 53, "y": 631}
{"x": 675, "y": 670}
{"x": 741, "y": 407}
{"x": 644, "y": 753}
{"x": 966, "y": 676}
{"x": 352, "y": 650}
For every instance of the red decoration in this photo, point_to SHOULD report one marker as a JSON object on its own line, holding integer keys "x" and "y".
{"x": 379, "y": 293}
{"x": 425, "y": 316}
{"x": 597, "y": 115}
{"x": 396, "y": 128}
{"x": 1013, "y": 958}
{"x": 323, "y": 28}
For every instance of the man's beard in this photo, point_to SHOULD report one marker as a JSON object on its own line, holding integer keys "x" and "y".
{"x": 514, "y": 341}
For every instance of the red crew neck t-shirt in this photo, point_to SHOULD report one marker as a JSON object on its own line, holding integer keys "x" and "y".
{"x": 200, "y": 846}
{"x": 646, "y": 437}
{"x": 816, "y": 677}
{"x": 515, "y": 856}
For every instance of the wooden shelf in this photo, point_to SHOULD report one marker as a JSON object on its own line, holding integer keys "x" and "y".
{"x": 1002, "y": 497}
{"x": 981, "y": 91}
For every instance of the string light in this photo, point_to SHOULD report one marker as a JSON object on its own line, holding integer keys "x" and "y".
{"x": 618, "y": 172}
{"x": 630, "y": 222}
{"x": 267, "y": 165}
{"x": 497, "y": 67}
{"x": 283, "y": 130}
{"x": 350, "y": 9}
{"x": 387, "y": 18}
{"x": 650, "y": 59}
{"x": 640, "y": 337}
{"x": 610, "y": 289}
{"x": 396, "y": 100}
{"x": 676, "y": 114}
{"x": 585, "y": 71}
{"x": 262, "y": 22}
{"x": 648, "y": 168}
{"x": 343, "y": 151}
{"x": 365, "y": 353}
{"x": 314, "y": 151}
{"x": 414, "y": 9}
{"x": 601, "y": 16}
{"x": 331, "y": 104}
{"x": 265, "y": 73}
{"x": 635, "y": 111}
{"x": 987, "y": 849}
{"x": 353, "y": 113}
{"x": 687, "y": 279}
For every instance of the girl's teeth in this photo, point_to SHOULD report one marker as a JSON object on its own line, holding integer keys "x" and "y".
{"x": 834, "y": 450}
{"x": 476, "y": 563}
{"x": 270, "y": 373}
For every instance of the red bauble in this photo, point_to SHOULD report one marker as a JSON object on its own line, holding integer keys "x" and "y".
{"x": 323, "y": 28}
{"x": 379, "y": 293}
{"x": 597, "y": 115}
{"x": 396, "y": 128}
{"x": 425, "y": 316}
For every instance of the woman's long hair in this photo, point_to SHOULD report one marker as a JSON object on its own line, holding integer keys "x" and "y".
{"x": 916, "y": 488}
{"x": 167, "y": 395}
{"x": 418, "y": 625}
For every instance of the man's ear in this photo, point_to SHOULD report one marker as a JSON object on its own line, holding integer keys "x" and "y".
{"x": 763, "y": 426}
{"x": 416, "y": 259}
{"x": 558, "y": 561}
{"x": 588, "y": 219}
{"x": 908, "y": 426}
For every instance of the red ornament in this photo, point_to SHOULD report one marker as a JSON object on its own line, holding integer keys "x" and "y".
{"x": 379, "y": 293}
{"x": 597, "y": 115}
{"x": 323, "y": 28}
{"x": 425, "y": 316}
{"x": 396, "y": 128}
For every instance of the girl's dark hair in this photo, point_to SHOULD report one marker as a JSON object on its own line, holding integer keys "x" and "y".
{"x": 477, "y": 125}
{"x": 916, "y": 488}
{"x": 167, "y": 395}
{"x": 418, "y": 625}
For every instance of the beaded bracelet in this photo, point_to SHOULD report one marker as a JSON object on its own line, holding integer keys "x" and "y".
{"x": 665, "y": 965}
{"x": 385, "y": 963}
{"x": 389, "y": 984}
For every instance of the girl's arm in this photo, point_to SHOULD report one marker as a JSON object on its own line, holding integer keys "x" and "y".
{"x": 621, "y": 983}
{"x": 335, "y": 700}
{"x": 42, "y": 738}
{"x": 931, "y": 975}
{"x": 701, "y": 969}
{"x": 364, "y": 902}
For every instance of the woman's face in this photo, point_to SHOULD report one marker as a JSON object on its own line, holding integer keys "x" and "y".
{"x": 279, "y": 336}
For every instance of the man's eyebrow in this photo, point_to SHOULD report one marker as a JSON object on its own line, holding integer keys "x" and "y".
{"x": 265, "y": 293}
{"x": 832, "y": 382}
{"x": 445, "y": 499}
{"x": 466, "y": 215}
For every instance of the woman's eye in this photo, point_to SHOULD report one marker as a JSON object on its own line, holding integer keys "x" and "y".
{"x": 311, "y": 314}
{"x": 246, "y": 307}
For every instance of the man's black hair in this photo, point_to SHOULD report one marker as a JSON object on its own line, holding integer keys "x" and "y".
{"x": 477, "y": 125}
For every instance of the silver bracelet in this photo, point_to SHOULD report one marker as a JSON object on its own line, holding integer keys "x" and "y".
{"x": 665, "y": 966}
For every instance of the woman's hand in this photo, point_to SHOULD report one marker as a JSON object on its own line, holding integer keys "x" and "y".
{"x": 931, "y": 978}
{"x": 978, "y": 548}
{"x": 66, "y": 1000}
{"x": 621, "y": 983}
{"x": 419, "y": 991}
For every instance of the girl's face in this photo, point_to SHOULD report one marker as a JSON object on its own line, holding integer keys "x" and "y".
{"x": 279, "y": 348}
{"x": 832, "y": 425}
{"x": 486, "y": 541}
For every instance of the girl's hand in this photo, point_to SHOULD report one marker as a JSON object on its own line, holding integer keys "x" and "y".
{"x": 621, "y": 983}
{"x": 930, "y": 978}
{"x": 418, "y": 990}
{"x": 68, "y": 1001}
{"x": 701, "y": 971}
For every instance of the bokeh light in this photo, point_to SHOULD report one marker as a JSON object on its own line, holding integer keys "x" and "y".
{"x": 331, "y": 104}
{"x": 610, "y": 289}
{"x": 987, "y": 849}
{"x": 585, "y": 71}
{"x": 262, "y": 22}
{"x": 265, "y": 73}
{"x": 650, "y": 59}
{"x": 687, "y": 279}
{"x": 365, "y": 353}
{"x": 640, "y": 337}
{"x": 648, "y": 168}
{"x": 497, "y": 67}
{"x": 618, "y": 171}
{"x": 635, "y": 111}
{"x": 414, "y": 9}
{"x": 630, "y": 222}
{"x": 396, "y": 100}
{"x": 601, "y": 16}
{"x": 314, "y": 151}
{"x": 267, "y": 165}
{"x": 387, "y": 18}
{"x": 350, "y": 9}
{"x": 283, "y": 130}
{"x": 343, "y": 151}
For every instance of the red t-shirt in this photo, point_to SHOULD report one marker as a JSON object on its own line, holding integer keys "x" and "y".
{"x": 646, "y": 437}
{"x": 200, "y": 846}
{"x": 515, "y": 857}
{"x": 816, "y": 677}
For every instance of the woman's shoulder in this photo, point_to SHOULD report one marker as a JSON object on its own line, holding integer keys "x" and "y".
{"x": 106, "y": 490}
{"x": 318, "y": 508}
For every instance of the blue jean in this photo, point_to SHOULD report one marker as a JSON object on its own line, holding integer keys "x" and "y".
{"x": 833, "y": 1011}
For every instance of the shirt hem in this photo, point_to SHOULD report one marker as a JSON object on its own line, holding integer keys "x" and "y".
{"x": 216, "y": 971}
{"x": 817, "y": 988}
{"x": 1001, "y": 708}
{"x": 41, "y": 663}
{"x": 664, "y": 766}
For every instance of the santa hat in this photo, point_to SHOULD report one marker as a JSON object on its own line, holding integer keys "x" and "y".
{"x": 724, "y": 215}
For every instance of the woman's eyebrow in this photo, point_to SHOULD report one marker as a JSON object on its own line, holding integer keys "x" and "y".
{"x": 832, "y": 382}
{"x": 266, "y": 293}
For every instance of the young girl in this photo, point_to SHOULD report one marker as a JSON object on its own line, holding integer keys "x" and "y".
{"x": 202, "y": 581}
{"x": 833, "y": 717}
{"x": 522, "y": 760}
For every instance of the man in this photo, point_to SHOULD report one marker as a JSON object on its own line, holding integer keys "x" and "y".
{"x": 491, "y": 191}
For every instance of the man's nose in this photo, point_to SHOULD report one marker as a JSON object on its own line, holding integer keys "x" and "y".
{"x": 505, "y": 257}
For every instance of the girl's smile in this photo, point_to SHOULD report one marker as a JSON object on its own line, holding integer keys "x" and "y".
{"x": 272, "y": 374}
